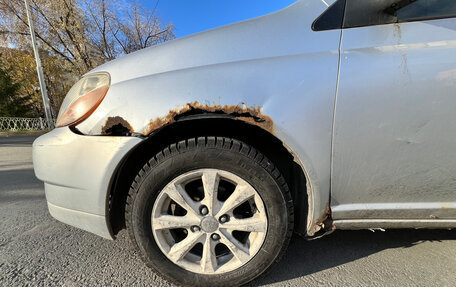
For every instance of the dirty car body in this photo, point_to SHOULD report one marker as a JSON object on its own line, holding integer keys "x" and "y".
{"x": 362, "y": 104}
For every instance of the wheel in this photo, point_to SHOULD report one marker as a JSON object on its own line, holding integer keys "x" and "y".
{"x": 209, "y": 211}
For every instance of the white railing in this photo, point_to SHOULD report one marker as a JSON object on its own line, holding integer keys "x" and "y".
{"x": 17, "y": 124}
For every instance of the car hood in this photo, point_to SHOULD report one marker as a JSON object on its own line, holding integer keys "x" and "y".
{"x": 255, "y": 38}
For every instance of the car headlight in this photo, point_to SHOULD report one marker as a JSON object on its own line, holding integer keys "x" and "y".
{"x": 83, "y": 99}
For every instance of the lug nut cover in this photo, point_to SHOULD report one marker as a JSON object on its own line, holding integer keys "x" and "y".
{"x": 223, "y": 218}
{"x": 204, "y": 210}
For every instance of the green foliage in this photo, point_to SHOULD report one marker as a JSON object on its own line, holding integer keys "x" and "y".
{"x": 11, "y": 104}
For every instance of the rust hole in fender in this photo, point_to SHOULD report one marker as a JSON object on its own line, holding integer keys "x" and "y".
{"x": 324, "y": 225}
{"x": 116, "y": 126}
{"x": 252, "y": 115}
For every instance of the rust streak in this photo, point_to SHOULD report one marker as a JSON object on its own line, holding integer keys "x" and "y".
{"x": 252, "y": 115}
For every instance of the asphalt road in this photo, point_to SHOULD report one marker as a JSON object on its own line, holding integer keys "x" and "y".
{"x": 36, "y": 250}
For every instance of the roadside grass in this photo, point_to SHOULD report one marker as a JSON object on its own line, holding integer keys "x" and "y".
{"x": 22, "y": 133}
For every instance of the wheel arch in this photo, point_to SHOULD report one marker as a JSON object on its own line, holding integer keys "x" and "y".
{"x": 210, "y": 125}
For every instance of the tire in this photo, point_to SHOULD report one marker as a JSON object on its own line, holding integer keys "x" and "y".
{"x": 152, "y": 200}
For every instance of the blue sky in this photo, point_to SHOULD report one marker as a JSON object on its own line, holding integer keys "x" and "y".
{"x": 191, "y": 16}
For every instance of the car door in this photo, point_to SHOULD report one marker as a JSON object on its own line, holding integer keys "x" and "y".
{"x": 394, "y": 145}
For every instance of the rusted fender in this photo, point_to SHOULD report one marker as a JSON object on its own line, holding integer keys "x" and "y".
{"x": 252, "y": 115}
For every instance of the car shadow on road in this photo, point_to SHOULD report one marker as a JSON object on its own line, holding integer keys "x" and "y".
{"x": 307, "y": 257}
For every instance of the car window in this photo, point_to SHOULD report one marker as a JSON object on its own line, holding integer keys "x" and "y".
{"x": 427, "y": 9}
{"x": 359, "y": 13}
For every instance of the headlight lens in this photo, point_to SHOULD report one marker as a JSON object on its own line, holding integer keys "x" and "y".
{"x": 83, "y": 99}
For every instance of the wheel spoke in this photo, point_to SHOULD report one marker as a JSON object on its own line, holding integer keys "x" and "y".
{"x": 209, "y": 260}
{"x": 210, "y": 182}
{"x": 236, "y": 247}
{"x": 240, "y": 195}
{"x": 179, "y": 250}
{"x": 252, "y": 224}
{"x": 180, "y": 196}
{"x": 172, "y": 222}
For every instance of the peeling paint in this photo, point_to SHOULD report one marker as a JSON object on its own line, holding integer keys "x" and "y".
{"x": 252, "y": 115}
{"x": 115, "y": 126}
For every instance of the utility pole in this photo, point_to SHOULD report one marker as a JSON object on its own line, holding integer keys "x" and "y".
{"x": 39, "y": 68}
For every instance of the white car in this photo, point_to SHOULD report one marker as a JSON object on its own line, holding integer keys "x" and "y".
{"x": 212, "y": 149}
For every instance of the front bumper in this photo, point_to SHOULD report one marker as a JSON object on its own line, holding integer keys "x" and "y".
{"x": 77, "y": 172}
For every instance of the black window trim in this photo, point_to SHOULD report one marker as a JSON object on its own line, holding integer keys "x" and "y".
{"x": 429, "y": 18}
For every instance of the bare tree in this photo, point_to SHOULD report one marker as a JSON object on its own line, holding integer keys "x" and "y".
{"x": 58, "y": 26}
{"x": 122, "y": 29}
{"x": 75, "y": 36}
{"x": 84, "y": 33}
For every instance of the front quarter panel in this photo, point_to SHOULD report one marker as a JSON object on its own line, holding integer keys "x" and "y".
{"x": 275, "y": 63}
